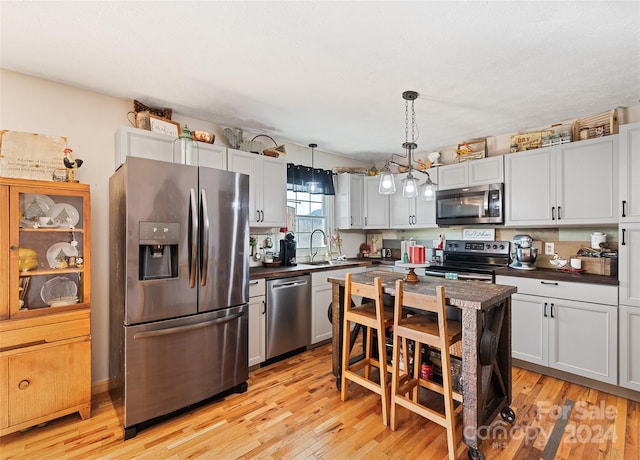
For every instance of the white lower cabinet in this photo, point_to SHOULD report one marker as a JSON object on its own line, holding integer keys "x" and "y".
{"x": 575, "y": 330}
{"x": 257, "y": 322}
{"x": 321, "y": 298}
{"x": 629, "y": 347}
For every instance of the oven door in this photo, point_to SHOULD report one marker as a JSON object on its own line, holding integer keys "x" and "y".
{"x": 470, "y": 205}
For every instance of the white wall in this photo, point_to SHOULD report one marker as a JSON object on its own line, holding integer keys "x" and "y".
{"x": 89, "y": 121}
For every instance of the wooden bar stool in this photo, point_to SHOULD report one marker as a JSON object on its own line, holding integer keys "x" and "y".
{"x": 371, "y": 315}
{"x": 429, "y": 326}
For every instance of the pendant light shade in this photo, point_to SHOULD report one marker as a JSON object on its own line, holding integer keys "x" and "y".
{"x": 428, "y": 190}
{"x": 409, "y": 186}
{"x": 387, "y": 184}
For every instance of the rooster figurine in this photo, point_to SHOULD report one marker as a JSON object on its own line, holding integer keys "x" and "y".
{"x": 71, "y": 165}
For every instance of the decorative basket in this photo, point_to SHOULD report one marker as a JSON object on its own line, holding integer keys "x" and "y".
{"x": 606, "y": 120}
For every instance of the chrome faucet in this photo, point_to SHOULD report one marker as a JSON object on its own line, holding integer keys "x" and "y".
{"x": 324, "y": 241}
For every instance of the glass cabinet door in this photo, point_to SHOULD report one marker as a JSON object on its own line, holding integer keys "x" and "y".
{"x": 49, "y": 235}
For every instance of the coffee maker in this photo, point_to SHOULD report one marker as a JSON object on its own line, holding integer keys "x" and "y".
{"x": 288, "y": 250}
{"x": 523, "y": 254}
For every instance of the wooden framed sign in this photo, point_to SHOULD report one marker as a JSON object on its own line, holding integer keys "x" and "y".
{"x": 30, "y": 155}
{"x": 164, "y": 126}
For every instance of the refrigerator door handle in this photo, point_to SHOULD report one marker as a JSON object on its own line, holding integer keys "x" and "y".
{"x": 193, "y": 238}
{"x": 204, "y": 209}
{"x": 175, "y": 330}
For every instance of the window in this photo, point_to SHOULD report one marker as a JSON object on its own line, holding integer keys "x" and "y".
{"x": 311, "y": 213}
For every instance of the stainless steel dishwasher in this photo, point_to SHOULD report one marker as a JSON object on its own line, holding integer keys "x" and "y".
{"x": 288, "y": 314}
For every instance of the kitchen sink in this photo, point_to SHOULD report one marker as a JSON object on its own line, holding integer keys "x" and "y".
{"x": 325, "y": 263}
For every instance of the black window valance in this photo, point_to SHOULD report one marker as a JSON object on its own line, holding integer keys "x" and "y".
{"x": 311, "y": 180}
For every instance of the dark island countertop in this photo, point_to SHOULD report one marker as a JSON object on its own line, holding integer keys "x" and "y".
{"x": 464, "y": 294}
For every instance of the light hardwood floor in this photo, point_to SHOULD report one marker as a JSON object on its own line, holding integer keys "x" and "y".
{"x": 292, "y": 410}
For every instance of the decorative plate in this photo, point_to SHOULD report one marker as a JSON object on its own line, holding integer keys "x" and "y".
{"x": 59, "y": 252}
{"x": 59, "y": 288}
{"x": 33, "y": 206}
{"x": 65, "y": 214}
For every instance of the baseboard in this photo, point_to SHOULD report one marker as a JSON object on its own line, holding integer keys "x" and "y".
{"x": 577, "y": 379}
{"x": 100, "y": 387}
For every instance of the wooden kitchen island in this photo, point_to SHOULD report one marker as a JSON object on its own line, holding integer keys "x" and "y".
{"x": 486, "y": 309}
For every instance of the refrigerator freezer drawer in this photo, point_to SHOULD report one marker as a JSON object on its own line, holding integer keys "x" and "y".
{"x": 172, "y": 364}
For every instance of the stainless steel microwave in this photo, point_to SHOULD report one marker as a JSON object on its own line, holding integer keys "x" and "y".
{"x": 482, "y": 204}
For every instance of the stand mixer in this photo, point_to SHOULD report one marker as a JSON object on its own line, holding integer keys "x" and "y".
{"x": 524, "y": 254}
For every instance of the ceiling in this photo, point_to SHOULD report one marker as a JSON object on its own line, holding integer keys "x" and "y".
{"x": 333, "y": 73}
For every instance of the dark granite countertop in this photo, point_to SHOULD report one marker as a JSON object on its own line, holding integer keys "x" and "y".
{"x": 301, "y": 269}
{"x": 539, "y": 273}
{"x": 558, "y": 275}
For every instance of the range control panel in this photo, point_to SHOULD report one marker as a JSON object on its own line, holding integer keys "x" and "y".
{"x": 477, "y": 247}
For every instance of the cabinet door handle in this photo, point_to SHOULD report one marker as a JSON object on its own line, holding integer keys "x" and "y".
{"x": 624, "y": 231}
{"x": 23, "y": 384}
{"x": 264, "y": 307}
{"x": 553, "y": 213}
{"x": 544, "y": 313}
{"x": 624, "y": 204}
{"x": 552, "y": 311}
{"x": 559, "y": 216}
{"x": 549, "y": 283}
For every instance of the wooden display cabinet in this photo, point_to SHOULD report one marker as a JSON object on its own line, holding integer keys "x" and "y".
{"x": 45, "y": 302}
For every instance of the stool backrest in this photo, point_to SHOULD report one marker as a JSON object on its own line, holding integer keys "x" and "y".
{"x": 434, "y": 304}
{"x": 366, "y": 291}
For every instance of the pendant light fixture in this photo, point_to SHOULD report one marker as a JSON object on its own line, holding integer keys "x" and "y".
{"x": 410, "y": 188}
{"x": 313, "y": 184}
{"x": 387, "y": 183}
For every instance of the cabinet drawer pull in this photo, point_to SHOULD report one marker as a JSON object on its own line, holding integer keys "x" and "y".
{"x": 23, "y": 385}
{"x": 549, "y": 283}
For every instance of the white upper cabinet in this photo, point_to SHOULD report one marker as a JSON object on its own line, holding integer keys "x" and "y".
{"x": 629, "y": 264}
{"x": 568, "y": 184}
{"x": 411, "y": 212}
{"x": 376, "y": 206}
{"x": 349, "y": 203}
{"x": 358, "y": 203}
{"x": 471, "y": 173}
{"x": 530, "y": 192}
{"x": 141, "y": 143}
{"x": 629, "y": 173}
{"x": 267, "y": 187}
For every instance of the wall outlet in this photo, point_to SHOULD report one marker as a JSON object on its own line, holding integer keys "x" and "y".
{"x": 549, "y": 249}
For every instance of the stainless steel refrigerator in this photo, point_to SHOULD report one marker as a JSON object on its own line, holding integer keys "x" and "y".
{"x": 178, "y": 287}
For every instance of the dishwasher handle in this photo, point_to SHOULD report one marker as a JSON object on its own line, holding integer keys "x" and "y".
{"x": 289, "y": 284}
